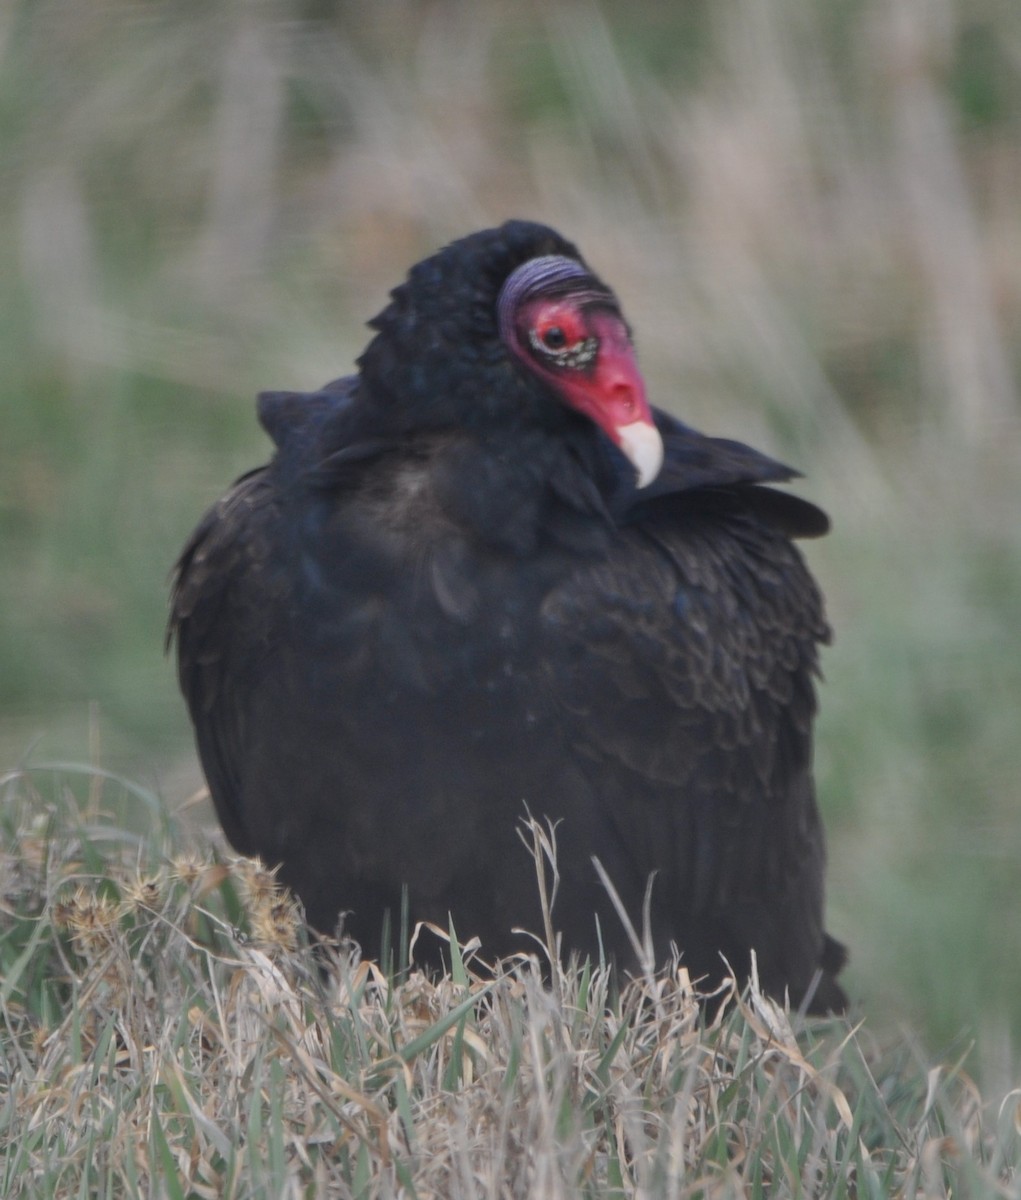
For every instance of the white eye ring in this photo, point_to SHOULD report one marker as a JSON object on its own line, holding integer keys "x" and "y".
{"x": 576, "y": 356}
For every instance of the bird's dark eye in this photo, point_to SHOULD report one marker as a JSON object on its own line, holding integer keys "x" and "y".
{"x": 556, "y": 349}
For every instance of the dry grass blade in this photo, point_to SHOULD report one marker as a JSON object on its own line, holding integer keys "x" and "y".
{"x": 541, "y": 843}
{"x": 642, "y": 946}
{"x": 211, "y": 1064}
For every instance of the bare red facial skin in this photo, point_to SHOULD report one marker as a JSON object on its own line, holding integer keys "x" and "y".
{"x": 586, "y": 355}
{"x": 612, "y": 393}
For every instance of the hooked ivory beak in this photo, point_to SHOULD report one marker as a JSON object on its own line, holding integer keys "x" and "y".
{"x": 642, "y": 445}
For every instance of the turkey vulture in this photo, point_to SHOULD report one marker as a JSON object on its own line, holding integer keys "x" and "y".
{"x": 483, "y": 574}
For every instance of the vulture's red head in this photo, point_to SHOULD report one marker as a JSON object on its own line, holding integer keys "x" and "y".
{"x": 565, "y": 326}
{"x": 509, "y": 327}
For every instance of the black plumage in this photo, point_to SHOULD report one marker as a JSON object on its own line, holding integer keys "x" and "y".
{"x": 465, "y": 584}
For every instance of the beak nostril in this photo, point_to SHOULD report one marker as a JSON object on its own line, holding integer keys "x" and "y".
{"x": 624, "y": 395}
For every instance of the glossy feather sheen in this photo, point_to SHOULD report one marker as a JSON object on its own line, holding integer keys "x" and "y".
{"x": 445, "y": 600}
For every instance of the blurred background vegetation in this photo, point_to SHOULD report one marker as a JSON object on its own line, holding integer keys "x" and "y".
{"x": 812, "y": 214}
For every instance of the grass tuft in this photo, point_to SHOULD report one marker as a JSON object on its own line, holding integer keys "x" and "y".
{"x": 167, "y": 1027}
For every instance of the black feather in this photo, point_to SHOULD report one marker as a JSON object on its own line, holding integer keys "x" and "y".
{"x": 445, "y": 599}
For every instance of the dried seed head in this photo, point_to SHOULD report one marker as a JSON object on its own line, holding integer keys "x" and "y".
{"x": 258, "y": 882}
{"x": 188, "y": 868}
{"x": 90, "y": 918}
{"x": 145, "y": 892}
{"x": 276, "y": 922}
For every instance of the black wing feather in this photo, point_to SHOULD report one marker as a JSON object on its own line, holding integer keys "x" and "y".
{"x": 222, "y": 621}
{"x": 685, "y": 664}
